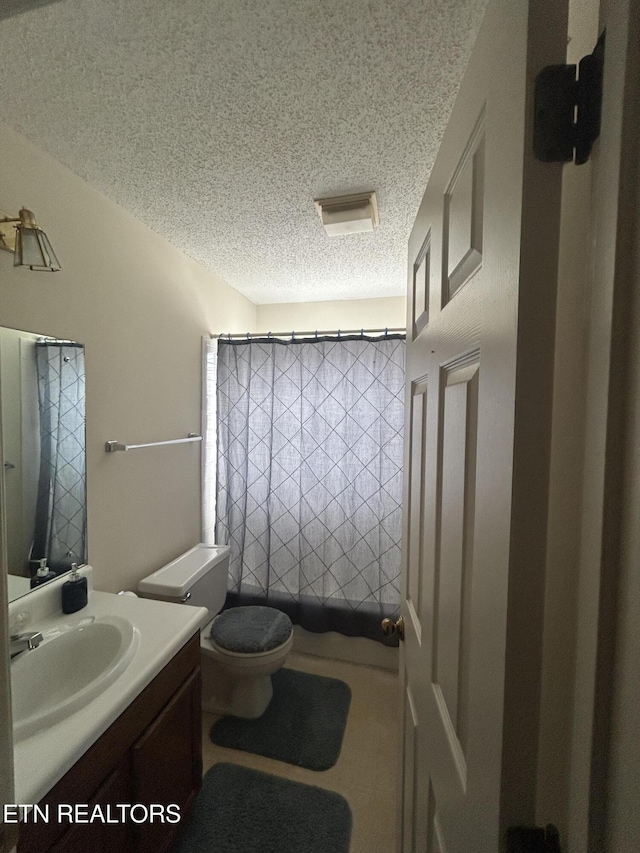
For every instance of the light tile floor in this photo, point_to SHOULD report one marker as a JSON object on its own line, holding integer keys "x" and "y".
{"x": 366, "y": 772}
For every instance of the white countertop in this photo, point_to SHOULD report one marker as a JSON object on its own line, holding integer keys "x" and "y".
{"x": 18, "y": 586}
{"x": 42, "y": 759}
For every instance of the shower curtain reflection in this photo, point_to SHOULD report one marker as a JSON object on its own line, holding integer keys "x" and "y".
{"x": 61, "y": 513}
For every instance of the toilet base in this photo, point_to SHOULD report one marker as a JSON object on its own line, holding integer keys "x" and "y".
{"x": 246, "y": 697}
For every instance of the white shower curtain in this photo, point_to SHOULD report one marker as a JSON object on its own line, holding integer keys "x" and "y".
{"x": 310, "y": 476}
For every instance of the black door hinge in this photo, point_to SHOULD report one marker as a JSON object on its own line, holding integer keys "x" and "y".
{"x": 567, "y": 110}
{"x": 533, "y": 839}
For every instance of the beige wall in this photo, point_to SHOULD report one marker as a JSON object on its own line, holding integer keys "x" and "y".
{"x": 140, "y": 307}
{"x": 347, "y": 314}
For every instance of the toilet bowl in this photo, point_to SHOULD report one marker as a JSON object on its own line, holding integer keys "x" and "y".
{"x": 238, "y": 683}
{"x": 248, "y": 644}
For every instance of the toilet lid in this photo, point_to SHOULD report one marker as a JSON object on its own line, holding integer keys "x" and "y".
{"x": 251, "y": 629}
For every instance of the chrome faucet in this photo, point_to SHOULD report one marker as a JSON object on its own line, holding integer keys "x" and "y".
{"x": 24, "y": 642}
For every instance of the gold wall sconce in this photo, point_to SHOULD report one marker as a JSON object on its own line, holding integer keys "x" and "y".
{"x": 30, "y": 245}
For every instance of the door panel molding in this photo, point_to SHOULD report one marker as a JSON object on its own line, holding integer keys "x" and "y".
{"x": 462, "y": 252}
{"x": 421, "y": 288}
{"x": 452, "y": 738}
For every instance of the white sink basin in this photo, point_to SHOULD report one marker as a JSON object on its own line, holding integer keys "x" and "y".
{"x": 72, "y": 666}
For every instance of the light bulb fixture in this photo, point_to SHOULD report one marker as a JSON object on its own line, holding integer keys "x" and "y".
{"x": 30, "y": 245}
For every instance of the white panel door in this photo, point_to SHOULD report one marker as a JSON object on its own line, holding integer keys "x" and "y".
{"x": 482, "y": 282}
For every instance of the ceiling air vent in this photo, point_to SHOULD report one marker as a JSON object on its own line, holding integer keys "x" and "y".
{"x": 348, "y": 214}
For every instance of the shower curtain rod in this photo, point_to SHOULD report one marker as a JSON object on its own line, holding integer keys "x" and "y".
{"x": 311, "y": 334}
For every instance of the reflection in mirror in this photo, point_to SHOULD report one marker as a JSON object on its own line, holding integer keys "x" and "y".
{"x": 42, "y": 407}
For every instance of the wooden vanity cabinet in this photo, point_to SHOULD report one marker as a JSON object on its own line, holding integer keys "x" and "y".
{"x": 167, "y": 762}
{"x": 97, "y": 837}
{"x": 152, "y": 754}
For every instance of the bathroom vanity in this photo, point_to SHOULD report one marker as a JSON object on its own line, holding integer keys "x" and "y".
{"x": 90, "y": 733}
{"x": 151, "y": 754}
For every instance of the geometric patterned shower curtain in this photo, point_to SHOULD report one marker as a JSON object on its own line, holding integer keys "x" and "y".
{"x": 61, "y": 513}
{"x": 309, "y": 480}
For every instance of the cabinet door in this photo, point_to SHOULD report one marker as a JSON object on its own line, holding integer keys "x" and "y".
{"x": 103, "y": 837}
{"x": 167, "y": 764}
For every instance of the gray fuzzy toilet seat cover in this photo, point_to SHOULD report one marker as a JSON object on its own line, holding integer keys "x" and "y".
{"x": 251, "y": 629}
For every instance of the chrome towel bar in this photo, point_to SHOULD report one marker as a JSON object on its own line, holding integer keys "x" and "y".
{"x": 113, "y": 446}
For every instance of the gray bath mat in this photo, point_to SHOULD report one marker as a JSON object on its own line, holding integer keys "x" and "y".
{"x": 245, "y": 811}
{"x": 303, "y": 724}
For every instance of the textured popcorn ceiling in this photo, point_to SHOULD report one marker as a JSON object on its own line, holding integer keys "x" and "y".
{"x": 217, "y": 122}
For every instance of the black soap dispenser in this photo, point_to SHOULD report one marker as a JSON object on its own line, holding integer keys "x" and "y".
{"x": 74, "y": 592}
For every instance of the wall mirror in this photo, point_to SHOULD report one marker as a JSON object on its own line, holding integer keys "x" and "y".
{"x": 42, "y": 417}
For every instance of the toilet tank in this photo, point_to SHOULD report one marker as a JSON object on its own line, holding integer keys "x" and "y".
{"x": 197, "y": 577}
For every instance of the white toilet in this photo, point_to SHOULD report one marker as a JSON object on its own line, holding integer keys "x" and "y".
{"x": 248, "y": 645}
